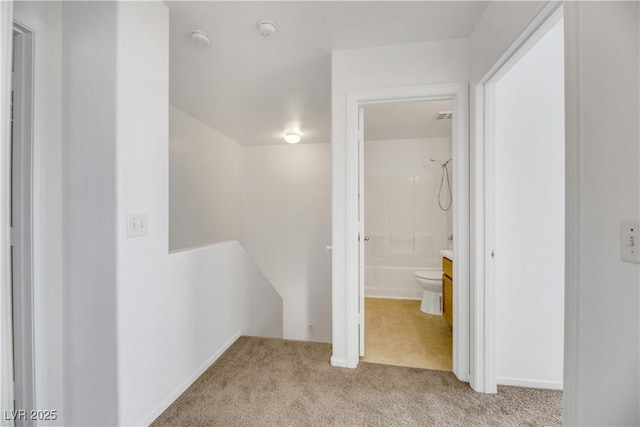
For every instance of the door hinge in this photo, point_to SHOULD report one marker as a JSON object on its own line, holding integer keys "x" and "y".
{"x": 12, "y": 236}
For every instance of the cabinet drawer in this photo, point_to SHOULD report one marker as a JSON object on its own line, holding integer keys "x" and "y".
{"x": 447, "y": 267}
{"x": 447, "y": 299}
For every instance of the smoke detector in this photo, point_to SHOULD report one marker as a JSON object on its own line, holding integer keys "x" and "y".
{"x": 200, "y": 38}
{"x": 266, "y": 28}
{"x": 443, "y": 115}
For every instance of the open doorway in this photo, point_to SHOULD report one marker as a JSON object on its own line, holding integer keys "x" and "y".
{"x": 408, "y": 233}
{"x": 521, "y": 181}
{"x": 353, "y": 299}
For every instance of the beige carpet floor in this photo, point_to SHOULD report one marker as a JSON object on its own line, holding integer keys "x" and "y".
{"x": 397, "y": 333}
{"x": 272, "y": 382}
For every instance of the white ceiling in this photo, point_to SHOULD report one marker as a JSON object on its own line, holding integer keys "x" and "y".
{"x": 406, "y": 120}
{"x": 249, "y": 87}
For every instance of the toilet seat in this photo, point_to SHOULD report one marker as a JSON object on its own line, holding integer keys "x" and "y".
{"x": 429, "y": 274}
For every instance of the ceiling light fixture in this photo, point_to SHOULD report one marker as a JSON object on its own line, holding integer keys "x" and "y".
{"x": 292, "y": 138}
{"x": 266, "y": 28}
{"x": 200, "y": 38}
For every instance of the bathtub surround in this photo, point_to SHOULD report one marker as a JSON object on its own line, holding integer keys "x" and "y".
{"x": 406, "y": 229}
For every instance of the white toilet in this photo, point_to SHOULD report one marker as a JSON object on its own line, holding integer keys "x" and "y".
{"x": 431, "y": 282}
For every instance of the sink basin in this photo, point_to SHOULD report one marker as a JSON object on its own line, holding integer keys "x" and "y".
{"x": 447, "y": 253}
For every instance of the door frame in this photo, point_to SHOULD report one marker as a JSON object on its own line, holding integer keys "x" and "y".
{"x": 6, "y": 333}
{"x": 458, "y": 93}
{"x": 22, "y": 218}
{"x": 484, "y": 340}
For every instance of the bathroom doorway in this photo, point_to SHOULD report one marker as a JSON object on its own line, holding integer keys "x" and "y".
{"x": 348, "y": 271}
{"x": 407, "y": 213}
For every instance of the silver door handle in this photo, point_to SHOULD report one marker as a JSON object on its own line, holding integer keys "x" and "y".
{"x": 366, "y": 238}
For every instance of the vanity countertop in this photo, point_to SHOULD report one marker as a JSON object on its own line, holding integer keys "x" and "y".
{"x": 447, "y": 253}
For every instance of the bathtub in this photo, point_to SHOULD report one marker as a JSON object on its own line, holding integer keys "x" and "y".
{"x": 393, "y": 282}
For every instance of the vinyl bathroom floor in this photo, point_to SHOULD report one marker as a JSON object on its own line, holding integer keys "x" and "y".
{"x": 398, "y": 333}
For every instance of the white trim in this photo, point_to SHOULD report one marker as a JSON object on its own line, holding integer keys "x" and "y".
{"x": 393, "y": 297}
{"x": 361, "y": 260}
{"x": 340, "y": 363}
{"x": 6, "y": 339}
{"x": 458, "y": 93}
{"x": 483, "y": 333}
{"x": 520, "y": 382}
{"x": 573, "y": 158}
{"x": 187, "y": 382}
{"x": 23, "y": 206}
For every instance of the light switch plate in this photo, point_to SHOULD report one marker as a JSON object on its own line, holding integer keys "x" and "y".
{"x": 136, "y": 225}
{"x": 630, "y": 240}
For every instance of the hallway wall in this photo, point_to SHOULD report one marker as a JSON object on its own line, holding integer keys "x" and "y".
{"x": 444, "y": 61}
{"x": 45, "y": 19}
{"x": 603, "y": 107}
{"x": 206, "y": 183}
{"x": 287, "y": 220}
{"x": 138, "y": 324}
{"x": 176, "y": 312}
{"x": 273, "y": 199}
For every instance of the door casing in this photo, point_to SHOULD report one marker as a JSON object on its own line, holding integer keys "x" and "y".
{"x": 458, "y": 94}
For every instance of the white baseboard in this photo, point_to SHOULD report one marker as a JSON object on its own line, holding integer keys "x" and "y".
{"x": 340, "y": 363}
{"x": 187, "y": 382}
{"x": 391, "y": 297}
{"x": 519, "y": 382}
{"x": 392, "y": 293}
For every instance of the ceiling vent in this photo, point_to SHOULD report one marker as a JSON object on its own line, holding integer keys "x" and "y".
{"x": 443, "y": 115}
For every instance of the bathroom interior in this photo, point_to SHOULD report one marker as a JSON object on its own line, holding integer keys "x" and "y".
{"x": 408, "y": 206}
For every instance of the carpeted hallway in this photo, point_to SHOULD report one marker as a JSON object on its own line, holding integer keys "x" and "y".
{"x": 272, "y": 382}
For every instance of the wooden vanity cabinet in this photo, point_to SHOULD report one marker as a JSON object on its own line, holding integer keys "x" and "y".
{"x": 447, "y": 290}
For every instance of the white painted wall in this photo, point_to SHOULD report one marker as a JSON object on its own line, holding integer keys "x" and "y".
{"x": 529, "y": 216}
{"x": 500, "y": 25}
{"x": 45, "y": 19}
{"x": 375, "y": 68}
{"x": 89, "y": 162}
{"x": 275, "y": 199}
{"x": 176, "y": 312}
{"x": 287, "y": 229}
{"x": 603, "y": 107}
{"x": 206, "y": 183}
{"x": 601, "y": 343}
{"x": 138, "y": 324}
